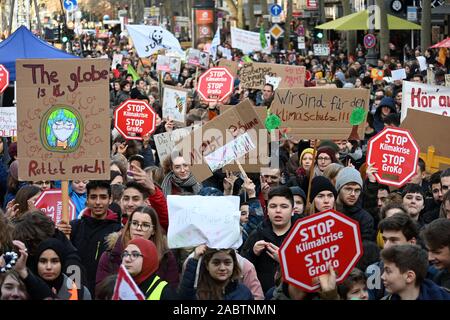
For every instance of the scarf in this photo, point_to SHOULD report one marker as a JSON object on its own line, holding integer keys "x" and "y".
{"x": 171, "y": 178}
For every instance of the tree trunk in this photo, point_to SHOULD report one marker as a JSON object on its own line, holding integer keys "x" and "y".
{"x": 425, "y": 34}
{"x": 350, "y": 36}
{"x": 11, "y": 17}
{"x": 233, "y": 9}
{"x": 265, "y": 11}
{"x": 384, "y": 29}
{"x": 252, "y": 18}
{"x": 287, "y": 25}
{"x": 322, "y": 18}
{"x": 38, "y": 18}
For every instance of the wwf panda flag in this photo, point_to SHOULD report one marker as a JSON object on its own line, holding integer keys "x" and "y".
{"x": 149, "y": 39}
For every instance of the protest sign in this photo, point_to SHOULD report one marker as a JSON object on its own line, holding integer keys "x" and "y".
{"x": 221, "y": 130}
{"x": 197, "y": 58}
{"x": 216, "y": 84}
{"x": 192, "y": 222}
{"x": 320, "y": 113}
{"x": 429, "y": 130}
{"x": 395, "y": 154}
{"x": 168, "y": 64}
{"x": 422, "y": 63}
{"x": 174, "y": 104}
{"x": 117, "y": 59}
{"x": 252, "y": 75}
{"x": 165, "y": 142}
{"x": 149, "y": 39}
{"x": 8, "y": 121}
{"x": 423, "y": 97}
{"x": 447, "y": 80}
{"x": 4, "y": 78}
{"x": 63, "y": 119}
{"x": 399, "y": 74}
{"x": 321, "y": 49}
{"x": 232, "y": 66}
{"x": 248, "y": 41}
{"x": 135, "y": 119}
{"x": 50, "y": 202}
{"x": 226, "y": 53}
{"x": 316, "y": 243}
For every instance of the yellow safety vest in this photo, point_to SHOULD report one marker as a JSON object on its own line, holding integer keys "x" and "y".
{"x": 157, "y": 291}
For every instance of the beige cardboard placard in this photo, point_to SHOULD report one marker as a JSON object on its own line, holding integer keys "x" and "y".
{"x": 319, "y": 113}
{"x": 252, "y": 75}
{"x": 429, "y": 129}
{"x": 63, "y": 119}
{"x": 217, "y": 132}
{"x": 231, "y": 65}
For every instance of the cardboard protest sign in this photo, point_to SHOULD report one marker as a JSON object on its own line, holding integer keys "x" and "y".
{"x": 8, "y": 121}
{"x": 168, "y": 64}
{"x": 174, "y": 104}
{"x": 252, "y": 75}
{"x": 232, "y": 66}
{"x": 192, "y": 222}
{"x": 395, "y": 154}
{"x": 63, "y": 119}
{"x": 320, "y": 113}
{"x": 198, "y": 58}
{"x": 222, "y": 130}
{"x": 165, "y": 142}
{"x": 248, "y": 41}
{"x": 423, "y": 97}
{"x": 316, "y": 243}
{"x": 429, "y": 129}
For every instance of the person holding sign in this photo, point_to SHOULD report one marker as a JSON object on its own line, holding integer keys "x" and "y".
{"x": 140, "y": 258}
{"x": 219, "y": 276}
{"x": 261, "y": 247}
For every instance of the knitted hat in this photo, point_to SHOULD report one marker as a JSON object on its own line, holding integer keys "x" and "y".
{"x": 319, "y": 184}
{"x": 329, "y": 143}
{"x": 297, "y": 191}
{"x": 150, "y": 261}
{"x": 307, "y": 150}
{"x": 348, "y": 175}
{"x": 329, "y": 151}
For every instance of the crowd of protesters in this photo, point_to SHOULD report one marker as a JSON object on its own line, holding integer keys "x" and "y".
{"x": 124, "y": 221}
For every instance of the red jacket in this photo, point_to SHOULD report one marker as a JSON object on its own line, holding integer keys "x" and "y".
{"x": 159, "y": 203}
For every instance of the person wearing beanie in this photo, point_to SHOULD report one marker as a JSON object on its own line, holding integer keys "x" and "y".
{"x": 324, "y": 157}
{"x": 140, "y": 258}
{"x": 323, "y": 195}
{"x": 349, "y": 185}
{"x": 299, "y": 200}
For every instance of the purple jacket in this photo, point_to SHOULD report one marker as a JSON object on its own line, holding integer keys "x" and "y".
{"x": 110, "y": 262}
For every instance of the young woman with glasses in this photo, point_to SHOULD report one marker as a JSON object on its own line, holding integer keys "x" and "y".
{"x": 143, "y": 223}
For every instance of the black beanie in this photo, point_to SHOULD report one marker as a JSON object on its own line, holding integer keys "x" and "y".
{"x": 319, "y": 184}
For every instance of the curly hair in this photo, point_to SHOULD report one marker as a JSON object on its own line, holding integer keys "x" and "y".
{"x": 6, "y": 231}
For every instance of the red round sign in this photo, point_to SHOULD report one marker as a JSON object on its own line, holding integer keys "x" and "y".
{"x": 395, "y": 154}
{"x": 135, "y": 119}
{"x": 4, "y": 78}
{"x": 316, "y": 243}
{"x": 50, "y": 202}
{"x": 215, "y": 84}
{"x": 369, "y": 41}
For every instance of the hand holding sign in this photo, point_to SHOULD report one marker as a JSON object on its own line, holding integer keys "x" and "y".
{"x": 228, "y": 183}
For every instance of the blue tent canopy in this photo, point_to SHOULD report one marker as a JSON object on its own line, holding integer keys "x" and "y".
{"x": 23, "y": 44}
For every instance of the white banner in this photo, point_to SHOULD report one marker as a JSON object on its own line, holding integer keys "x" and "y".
{"x": 321, "y": 49}
{"x": 165, "y": 142}
{"x": 117, "y": 59}
{"x": 196, "y": 220}
{"x": 8, "y": 121}
{"x": 149, "y": 39}
{"x": 423, "y": 97}
{"x": 248, "y": 41}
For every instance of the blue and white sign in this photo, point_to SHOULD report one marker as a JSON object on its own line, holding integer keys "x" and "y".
{"x": 70, "y": 5}
{"x": 275, "y": 10}
{"x": 411, "y": 13}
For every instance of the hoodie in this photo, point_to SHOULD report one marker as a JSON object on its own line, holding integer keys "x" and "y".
{"x": 89, "y": 237}
{"x": 378, "y": 122}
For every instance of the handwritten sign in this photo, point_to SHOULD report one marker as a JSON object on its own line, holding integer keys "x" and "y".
{"x": 232, "y": 66}
{"x": 319, "y": 113}
{"x": 192, "y": 222}
{"x": 233, "y": 150}
{"x": 253, "y": 74}
{"x": 174, "y": 104}
{"x": 8, "y": 122}
{"x": 423, "y": 97}
{"x": 248, "y": 41}
{"x": 165, "y": 142}
{"x": 63, "y": 119}
{"x": 321, "y": 49}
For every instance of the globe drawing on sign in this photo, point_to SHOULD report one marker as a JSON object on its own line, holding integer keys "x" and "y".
{"x": 61, "y": 129}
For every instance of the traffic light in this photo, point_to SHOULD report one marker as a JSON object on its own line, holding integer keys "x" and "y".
{"x": 67, "y": 34}
{"x": 317, "y": 34}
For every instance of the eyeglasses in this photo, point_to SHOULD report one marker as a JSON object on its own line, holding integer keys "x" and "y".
{"x": 350, "y": 191}
{"x": 144, "y": 226}
{"x": 323, "y": 159}
{"x": 133, "y": 255}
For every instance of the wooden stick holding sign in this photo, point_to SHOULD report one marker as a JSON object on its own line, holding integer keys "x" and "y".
{"x": 244, "y": 175}
{"x": 311, "y": 173}
{"x": 65, "y": 203}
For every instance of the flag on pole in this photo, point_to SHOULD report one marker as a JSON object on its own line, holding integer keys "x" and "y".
{"x": 133, "y": 72}
{"x": 149, "y": 39}
{"x": 262, "y": 36}
{"x": 215, "y": 44}
{"x": 126, "y": 288}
